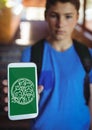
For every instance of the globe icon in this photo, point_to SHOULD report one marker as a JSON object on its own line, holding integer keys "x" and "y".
{"x": 22, "y": 91}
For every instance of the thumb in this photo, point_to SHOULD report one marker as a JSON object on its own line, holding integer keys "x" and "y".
{"x": 40, "y": 89}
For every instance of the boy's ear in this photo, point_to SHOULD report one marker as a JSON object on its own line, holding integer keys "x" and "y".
{"x": 45, "y": 13}
{"x": 78, "y": 16}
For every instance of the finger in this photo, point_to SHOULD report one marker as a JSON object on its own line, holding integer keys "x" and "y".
{"x": 5, "y": 108}
{"x": 40, "y": 89}
{"x": 5, "y": 90}
{"x": 5, "y": 82}
{"x": 6, "y": 99}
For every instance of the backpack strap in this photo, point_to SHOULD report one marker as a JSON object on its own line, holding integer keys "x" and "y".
{"x": 37, "y": 55}
{"x": 86, "y": 61}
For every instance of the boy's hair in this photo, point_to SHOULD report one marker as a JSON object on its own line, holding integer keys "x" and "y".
{"x": 50, "y": 3}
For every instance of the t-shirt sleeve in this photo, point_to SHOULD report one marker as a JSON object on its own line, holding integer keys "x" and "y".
{"x": 26, "y": 55}
{"x": 90, "y": 74}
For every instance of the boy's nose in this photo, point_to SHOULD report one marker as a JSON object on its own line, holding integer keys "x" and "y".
{"x": 61, "y": 22}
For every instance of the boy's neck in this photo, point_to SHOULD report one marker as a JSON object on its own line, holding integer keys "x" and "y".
{"x": 61, "y": 45}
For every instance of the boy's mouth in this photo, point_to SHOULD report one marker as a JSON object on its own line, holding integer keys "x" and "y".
{"x": 60, "y": 32}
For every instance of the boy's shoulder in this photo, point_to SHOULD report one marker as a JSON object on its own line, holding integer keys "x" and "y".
{"x": 84, "y": 55}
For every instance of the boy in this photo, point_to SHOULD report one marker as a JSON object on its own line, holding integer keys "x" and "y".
{"x": 62, "y": 104}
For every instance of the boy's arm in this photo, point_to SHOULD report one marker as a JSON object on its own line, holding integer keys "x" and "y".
{"x": 90, "y": 104}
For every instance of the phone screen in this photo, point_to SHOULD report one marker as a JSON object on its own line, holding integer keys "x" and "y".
{"x": 22, "y": 91}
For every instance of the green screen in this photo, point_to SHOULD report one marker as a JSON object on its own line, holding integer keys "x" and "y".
{"x": 22, "y": 87}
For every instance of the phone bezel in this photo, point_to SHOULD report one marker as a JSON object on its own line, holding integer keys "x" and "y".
{"x": 23, "y": 116}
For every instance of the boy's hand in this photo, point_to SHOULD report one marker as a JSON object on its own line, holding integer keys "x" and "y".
{"x": 40, "y": 90}
{"x": 5, "y": 89}
{"x": 5, "y": 84}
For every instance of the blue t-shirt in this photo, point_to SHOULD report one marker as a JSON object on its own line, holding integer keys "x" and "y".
{"x": 62, "y": 104}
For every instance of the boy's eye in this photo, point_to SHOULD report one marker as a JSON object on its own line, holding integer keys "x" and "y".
{"x": 68, "y": 16}
{"x": 53, "y": 15}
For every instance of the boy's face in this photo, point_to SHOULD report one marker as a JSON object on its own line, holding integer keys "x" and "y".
{"x": 61, "y": 18}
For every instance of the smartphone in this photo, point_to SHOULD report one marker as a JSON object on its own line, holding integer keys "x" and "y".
{"x": 22, "y": 91}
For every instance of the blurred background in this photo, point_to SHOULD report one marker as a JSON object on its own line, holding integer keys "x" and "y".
{"x": 22, "y": 23}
